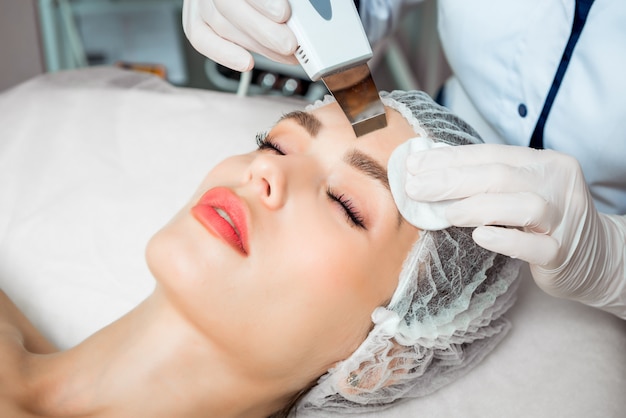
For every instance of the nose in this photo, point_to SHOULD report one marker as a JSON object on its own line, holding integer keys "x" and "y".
{"x": 268, "y": 178}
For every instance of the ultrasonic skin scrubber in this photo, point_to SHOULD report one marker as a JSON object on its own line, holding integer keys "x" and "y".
{"x": 333, "y": 46}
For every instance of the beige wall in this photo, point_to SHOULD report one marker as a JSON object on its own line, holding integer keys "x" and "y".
{"x": 20, "y": 51}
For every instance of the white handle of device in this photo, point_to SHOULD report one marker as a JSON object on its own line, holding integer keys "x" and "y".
{"x": 330, "y": 36}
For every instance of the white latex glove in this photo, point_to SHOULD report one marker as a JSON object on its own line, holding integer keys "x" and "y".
{"x": 225, "y": 30}
{"x": 543, "y": 211}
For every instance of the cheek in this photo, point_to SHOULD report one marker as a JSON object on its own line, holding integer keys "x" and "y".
{"x": 327, "y": 257}
{"x": 328, "y": 292}
{"x": 335, "y": 267}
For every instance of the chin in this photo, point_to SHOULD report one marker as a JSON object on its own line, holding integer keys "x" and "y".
{"x": 172, "y": 255}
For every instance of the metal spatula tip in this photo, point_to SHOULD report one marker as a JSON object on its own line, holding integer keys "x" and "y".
{"x": 355, "y": 91}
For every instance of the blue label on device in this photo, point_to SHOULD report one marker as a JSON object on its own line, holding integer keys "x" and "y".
{"x": 323, "y": 8}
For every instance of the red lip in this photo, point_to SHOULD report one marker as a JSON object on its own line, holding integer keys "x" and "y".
{"x": 223, "y": 199}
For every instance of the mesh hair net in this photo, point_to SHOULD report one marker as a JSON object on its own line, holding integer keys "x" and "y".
{"x": 446, "y": 312}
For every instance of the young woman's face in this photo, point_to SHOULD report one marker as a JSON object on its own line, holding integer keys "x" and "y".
{"x": 283, "y": 253}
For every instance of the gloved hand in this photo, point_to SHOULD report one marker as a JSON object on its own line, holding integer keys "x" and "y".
{"x": 533, "y": 205}
{"x": 225, "y": 30}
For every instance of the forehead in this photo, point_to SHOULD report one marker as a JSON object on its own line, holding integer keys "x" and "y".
{"x": 330, "y": 121}
{"x": 335, "y": 124}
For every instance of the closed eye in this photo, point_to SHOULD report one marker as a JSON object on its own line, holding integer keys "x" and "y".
{"x": 352, "y": 213}
{"x": 265, "y": 142}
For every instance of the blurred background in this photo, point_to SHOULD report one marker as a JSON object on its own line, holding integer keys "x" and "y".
{"x": 38, "y": 36}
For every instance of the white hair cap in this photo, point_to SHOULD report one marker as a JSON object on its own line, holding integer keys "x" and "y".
{"x": 446, "y": 312}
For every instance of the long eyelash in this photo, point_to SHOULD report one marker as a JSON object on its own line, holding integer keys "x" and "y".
{"x": 265, "y": 142}
{"x": 352, "y": 213}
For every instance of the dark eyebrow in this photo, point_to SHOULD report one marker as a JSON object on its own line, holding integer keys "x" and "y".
{"x": 308, "y": 121}
{"x": 368, "y": 166}
{"x": 372, "y": 168}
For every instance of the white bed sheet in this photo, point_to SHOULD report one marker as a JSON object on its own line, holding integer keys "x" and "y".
{"x": 93, "y": 162}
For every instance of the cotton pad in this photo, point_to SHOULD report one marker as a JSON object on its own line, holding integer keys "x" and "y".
{"x": 428, "y": 216}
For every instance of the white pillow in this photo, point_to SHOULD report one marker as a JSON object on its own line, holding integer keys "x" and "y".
{"x": 93, "y": 162}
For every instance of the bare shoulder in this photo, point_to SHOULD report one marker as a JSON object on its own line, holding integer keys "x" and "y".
{"x": 14, "y": 326}
{"x": 16, "y": 334}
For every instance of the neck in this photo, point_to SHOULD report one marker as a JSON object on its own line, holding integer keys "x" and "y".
{"x": 151, "y": 362}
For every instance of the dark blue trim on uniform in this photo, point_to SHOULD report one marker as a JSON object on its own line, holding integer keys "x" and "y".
{"x": 580, "y": 17}
{"x": 440, "y": 96}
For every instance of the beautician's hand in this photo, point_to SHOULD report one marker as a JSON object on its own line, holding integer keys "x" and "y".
{"x": 544, "y": 212}
{"x": 225, "y": 30}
